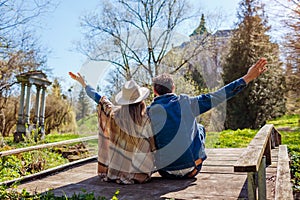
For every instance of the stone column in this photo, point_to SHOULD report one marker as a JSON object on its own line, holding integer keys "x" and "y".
{"x": 37, "y": 112}
{"x": 27, "y": 79}
{"x": 21, "y": 106}
{"x": 27, "y": 111}
{"x": 42, "y": 113}
{"x": 37, "y": 106}
{"x": 21, "y": 129}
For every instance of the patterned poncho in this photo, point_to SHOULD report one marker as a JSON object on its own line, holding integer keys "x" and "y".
{"x": 125, "y": 148}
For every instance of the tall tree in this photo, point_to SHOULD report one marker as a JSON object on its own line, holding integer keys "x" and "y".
{"x": 134, "y": 35}
{"x": 59, "y": 114}
{"x": 83, "y": 105}
{"x": 292, "y": 55}
{"x": 263, "y": 98}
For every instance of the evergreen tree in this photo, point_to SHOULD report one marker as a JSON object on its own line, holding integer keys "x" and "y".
{"x": 263, "y": 98}
{"x": 56, "y": 88}
{"x": 83, "y": 105}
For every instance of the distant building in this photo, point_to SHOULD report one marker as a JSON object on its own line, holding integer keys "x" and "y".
{"x": 203, "y": 55}
{"x": 210, "y": 50}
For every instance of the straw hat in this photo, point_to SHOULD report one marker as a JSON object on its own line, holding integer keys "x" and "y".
{"x": 131, "y": 93}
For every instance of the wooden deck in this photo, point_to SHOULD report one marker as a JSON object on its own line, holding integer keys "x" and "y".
{"x": 217, "y": 180}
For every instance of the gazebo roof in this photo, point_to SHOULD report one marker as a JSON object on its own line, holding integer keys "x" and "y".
{"x": 34, "y": 77}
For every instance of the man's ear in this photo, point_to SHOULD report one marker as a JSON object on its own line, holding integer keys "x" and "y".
{"x": 173, "y": 88}
{"x": 155, "y": 93}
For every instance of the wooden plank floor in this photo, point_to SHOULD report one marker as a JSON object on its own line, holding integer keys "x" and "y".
{"x": 216, "y": 181}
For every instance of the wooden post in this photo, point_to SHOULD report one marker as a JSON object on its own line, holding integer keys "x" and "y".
{"x": 273, "y": 139}
{"x": 278, "y": 137}
{"x": 261, "y": 182}
{"x": 251, "y": 185}
{"x": 267, "y": 152}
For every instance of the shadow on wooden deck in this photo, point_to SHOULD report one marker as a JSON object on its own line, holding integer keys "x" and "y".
{"x": 217, "y": 180}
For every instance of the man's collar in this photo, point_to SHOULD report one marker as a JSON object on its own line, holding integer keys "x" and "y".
{"x": 164, "y": 95}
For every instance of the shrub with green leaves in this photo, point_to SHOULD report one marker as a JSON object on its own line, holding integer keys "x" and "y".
{"x": 295, "y": 170}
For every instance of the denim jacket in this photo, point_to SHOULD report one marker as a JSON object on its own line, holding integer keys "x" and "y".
{"x": 176, "y": 133}
{"x": 92, "y": 93}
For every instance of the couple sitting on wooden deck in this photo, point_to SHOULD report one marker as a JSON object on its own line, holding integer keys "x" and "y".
{"x": 135, "y": 140}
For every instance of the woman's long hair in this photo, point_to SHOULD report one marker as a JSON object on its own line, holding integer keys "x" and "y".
{"x": 137, "y": 112}
{"x": 131, "y": 117}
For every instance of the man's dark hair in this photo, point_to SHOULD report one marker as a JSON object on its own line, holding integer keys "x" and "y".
{"x": 163, "y": 84}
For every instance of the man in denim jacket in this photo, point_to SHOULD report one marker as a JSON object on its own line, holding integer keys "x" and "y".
{"x": 178, "y": 138}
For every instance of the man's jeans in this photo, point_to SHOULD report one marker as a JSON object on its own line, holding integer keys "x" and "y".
{"x": 202, "y": 154}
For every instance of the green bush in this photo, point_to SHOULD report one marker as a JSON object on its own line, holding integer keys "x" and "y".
{"x": 295, "y": 170}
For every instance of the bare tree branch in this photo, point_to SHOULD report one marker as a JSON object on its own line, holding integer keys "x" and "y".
{"x": 142, "y": 32}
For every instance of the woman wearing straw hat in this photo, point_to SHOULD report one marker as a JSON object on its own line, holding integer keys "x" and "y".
{"x": 125, "y": 136}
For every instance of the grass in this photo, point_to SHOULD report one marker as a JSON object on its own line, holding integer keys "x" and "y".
{"x": 291, "y": 121}
{"x": 57, "y": 137}
{"x": 229, "y": 138}
{"x": 88, "y": 125}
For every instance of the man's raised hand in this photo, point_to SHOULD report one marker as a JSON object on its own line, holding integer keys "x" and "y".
{"x": 256, "y": 70}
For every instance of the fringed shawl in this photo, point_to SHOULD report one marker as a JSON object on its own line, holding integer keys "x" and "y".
{"x": 125, "y": 148}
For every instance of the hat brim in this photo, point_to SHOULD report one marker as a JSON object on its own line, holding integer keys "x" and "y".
{"x": 144, "y": 93}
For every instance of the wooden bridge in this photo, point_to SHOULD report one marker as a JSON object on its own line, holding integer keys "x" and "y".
{"x": 260, "y": 171}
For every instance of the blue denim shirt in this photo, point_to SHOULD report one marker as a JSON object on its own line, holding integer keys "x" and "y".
{"x": 175, "y": 129}
{"x": 92, "y": 93}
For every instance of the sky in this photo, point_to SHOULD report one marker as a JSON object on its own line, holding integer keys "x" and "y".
{"x": 61, "y": 29}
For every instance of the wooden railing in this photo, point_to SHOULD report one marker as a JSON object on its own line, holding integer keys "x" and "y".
{"x": 256, "y": 157}
{"x": 43, "y": 146}
{"x": 283, "y": 187}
